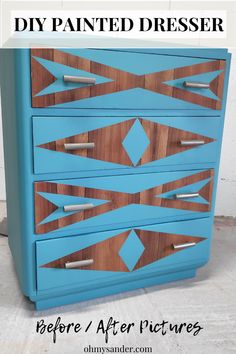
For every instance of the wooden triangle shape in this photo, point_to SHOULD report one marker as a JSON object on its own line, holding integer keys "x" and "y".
{"x": 215, "y": 86}
{"x": 41, "y": 77}
{"x": 206, "y": 191}
{"x": 166, "y": 141}
{"x": 105, "y": 255}
{"x": 44, "y": 207}
{"x": 107, "y": 140}
{"x": 159, "y": 245}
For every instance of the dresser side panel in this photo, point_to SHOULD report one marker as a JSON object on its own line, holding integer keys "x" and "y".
{"x": 12, "y": 72}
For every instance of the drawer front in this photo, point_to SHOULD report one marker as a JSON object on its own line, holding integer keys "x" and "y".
{"x": 90, "y": 78}
{"x": 95, "y": 204}
{"x": 67, "y": 144}
{"x": 121, "y": 254}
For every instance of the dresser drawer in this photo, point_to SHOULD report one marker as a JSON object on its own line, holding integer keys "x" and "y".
{"x": 67, "y": 144}
{"x": 121, "y": 254}
{"x": 97, "y": 204}
{"x": 95, "y": 78}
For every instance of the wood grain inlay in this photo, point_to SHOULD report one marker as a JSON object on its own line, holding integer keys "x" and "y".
{"x": 160, "y": 245}
{"x": 116, "y": 200}
{"x": 108, "y": 143}
{"x": 164, "y": 141}
{"x": 41, "y": 77}
{"x": 122, "y": 80}
{"x": 105, "y": 254}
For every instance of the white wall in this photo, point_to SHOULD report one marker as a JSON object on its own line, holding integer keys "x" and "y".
{"x": 2, "y": 178}
{"x": 226, "y": 196}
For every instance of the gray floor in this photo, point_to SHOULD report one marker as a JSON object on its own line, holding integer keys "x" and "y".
{"x": 210, "y": 298}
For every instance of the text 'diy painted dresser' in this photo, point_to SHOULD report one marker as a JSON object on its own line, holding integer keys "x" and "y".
{"x": 111, "y": 158}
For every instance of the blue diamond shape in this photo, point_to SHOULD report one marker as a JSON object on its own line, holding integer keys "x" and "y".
{"x": 136, "y": 142}
{"x": 131, "y": 250}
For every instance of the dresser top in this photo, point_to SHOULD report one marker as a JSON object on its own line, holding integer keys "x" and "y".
{"x": 213, "y": 53}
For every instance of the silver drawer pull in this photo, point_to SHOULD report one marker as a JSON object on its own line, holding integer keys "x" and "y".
{"x": 78, "y": 146}
{"x": 78, "y": 207}
{"x": 191, "y": 142}
{"x": 76, "y": 264}
{"x": 186, "y": 195}
{"x": 79, "y": 79}
{"x": 183, "y": 245}
{"x": 191, "y": 84}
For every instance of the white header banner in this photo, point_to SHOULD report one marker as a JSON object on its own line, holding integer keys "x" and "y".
{"x": 123, "y": 24}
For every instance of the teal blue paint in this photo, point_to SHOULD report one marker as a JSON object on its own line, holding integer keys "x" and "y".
{"x": 138, "y": 64}
{"x": 45, "y": 303}
{"x": 11, "y": 157}
{"x": 200, "y": 227}
{"x": 131, "y": 250}
{"x": 129, "y": 183}
{"x": 58, "y": 161}
{"x": 45, "y": 130}
{"x": 206, "y": 153}
{"x": 136, "y": 142}
{"x": 190, "y": 188}
{"x": 87, "y": 112}
{"x": 207, "y": 126}
{"x": 136, "y": 98}
{"x": 131, "y": 213}
{"x": 205, "y": 53}
{"x": 61, "y": 200}
{"x": 205, "y": 78}
{"x": 101, "y": 224}
{"x": 62, "y": 162}
{"x": 59, "y": 70}
{"x": 50, "y": 250}
{"x": 27, "y": 248}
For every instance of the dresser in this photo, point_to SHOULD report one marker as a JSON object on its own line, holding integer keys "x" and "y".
{"x": 112, "y": 159}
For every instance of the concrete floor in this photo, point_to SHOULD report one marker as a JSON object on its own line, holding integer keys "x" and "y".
{"x": 210, "y": 299}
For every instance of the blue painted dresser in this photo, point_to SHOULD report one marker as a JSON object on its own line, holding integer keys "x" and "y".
{"x": 112, "y": 157}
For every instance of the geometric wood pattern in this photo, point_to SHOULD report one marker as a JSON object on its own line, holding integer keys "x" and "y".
{"x": 106, "y": 257}
{"x": 163, "y": 141}
{"x": 121, "y": 80}
{"x": 151, "y": 197}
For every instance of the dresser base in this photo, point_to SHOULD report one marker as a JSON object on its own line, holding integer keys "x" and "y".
{"x": 114, "y": 289}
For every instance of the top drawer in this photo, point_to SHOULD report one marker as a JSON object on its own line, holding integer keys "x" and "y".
{"x": 90, "y": 78}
